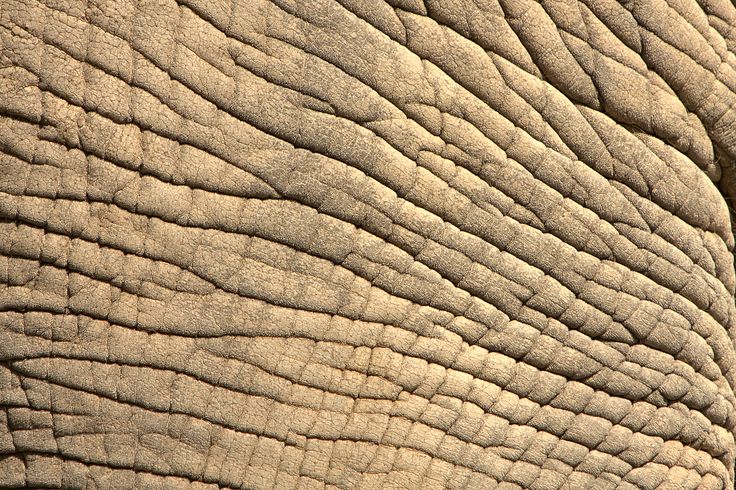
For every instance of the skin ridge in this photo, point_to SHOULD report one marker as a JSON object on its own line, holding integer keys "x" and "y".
{"x": 356, "y": 244}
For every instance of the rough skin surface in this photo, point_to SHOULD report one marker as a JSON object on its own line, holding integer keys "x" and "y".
{"x": 254, "y": 244}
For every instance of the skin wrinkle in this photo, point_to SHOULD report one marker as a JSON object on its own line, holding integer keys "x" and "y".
{"x": 112, "y": 468}
{"x": 589, "y": 162}
{"x": 212, "y": 422}
{"x": 466, "y": 88}
{"x": 690, "y": 98}
{"x": 591, "y": 230}
{"x": 704, "y": 161}
{"x": 214, "y": 384}
{"x": 132, "y": 291}
{"x": 402, "y": 353}
{"x": 377, "y": 201}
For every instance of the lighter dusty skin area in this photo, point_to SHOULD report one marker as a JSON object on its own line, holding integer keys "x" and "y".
{"x": 254, "y": 244}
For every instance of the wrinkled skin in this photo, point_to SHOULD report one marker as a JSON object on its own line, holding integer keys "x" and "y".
{"x": 356, "y": 244}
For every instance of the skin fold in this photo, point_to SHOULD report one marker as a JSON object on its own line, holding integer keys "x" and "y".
{"x": 254, "y": 244}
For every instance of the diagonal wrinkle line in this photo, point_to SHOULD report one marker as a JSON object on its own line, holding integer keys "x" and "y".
{"x": 589, "y": 164}
{"x": 241, "y": 430}
{"x": 546, "y": 53}
{"x": 113, "y": 466}
{"x": 125, "y": 166}
{"x": 700, "y": 232}
{"x": 393, "y": 293}
{"x": 718, "y": 80}
{"x": 483, "y": 205}
{"x": 384, "y": 96}
{"x": 104, "y": 245}
{"x": 19, "y": 116}
{"x": 401, "y": 352}
{"x": 366, "y": 82}
{"x": 681, "y": 310}
{"x": 211, "y": 23}
{"x": 678, "y": 14}
{"x": 310, "y": 149}
{"x": 113, "y": 117}
{"x": 122, "y": 287}
{"x": 449, "y": 368}
{"x": 119, "y": 162}
{"x": 478, "y": 42}
{"x": 612, "y": 178}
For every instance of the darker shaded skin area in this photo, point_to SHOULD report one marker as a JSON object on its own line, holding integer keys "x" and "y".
{"x": 367, "y": 244}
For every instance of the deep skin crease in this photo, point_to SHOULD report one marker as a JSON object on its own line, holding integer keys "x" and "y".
{"x": 254, "y": 244}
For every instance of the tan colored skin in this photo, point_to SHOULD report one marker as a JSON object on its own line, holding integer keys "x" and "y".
{"x": 365, "y": 244}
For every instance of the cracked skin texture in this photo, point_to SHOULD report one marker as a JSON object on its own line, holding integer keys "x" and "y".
{"x": 364, "y": 244}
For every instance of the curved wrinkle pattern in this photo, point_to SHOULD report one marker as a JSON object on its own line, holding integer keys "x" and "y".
{"x": 252, "y": 244}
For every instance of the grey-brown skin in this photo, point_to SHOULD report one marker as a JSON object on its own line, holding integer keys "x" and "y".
{"x": 362, "y": 244}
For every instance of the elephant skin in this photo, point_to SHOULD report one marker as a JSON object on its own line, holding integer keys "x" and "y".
{"x": 254, "y": 244}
